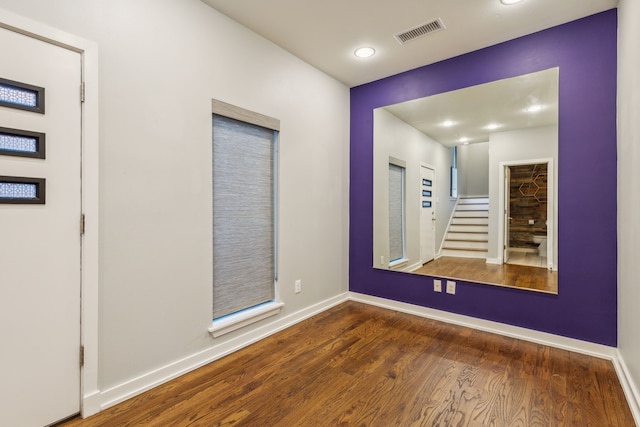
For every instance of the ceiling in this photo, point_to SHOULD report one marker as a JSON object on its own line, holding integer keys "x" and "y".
{"x": 325, "y": 33}
{"x": 469, "y": 111}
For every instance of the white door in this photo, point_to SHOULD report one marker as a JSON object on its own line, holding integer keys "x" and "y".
{"x": 427, "y": 214}
{"x": 39, "y": 243}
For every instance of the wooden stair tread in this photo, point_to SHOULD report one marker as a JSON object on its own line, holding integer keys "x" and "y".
{"x": 466, "y": 240}
{"x": 469, "y": 232}
{"x": 466, "y": 249}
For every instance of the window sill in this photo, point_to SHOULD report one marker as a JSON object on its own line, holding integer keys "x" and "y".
{"x": 244, "y": 318}
{"x": 398, "y": 263}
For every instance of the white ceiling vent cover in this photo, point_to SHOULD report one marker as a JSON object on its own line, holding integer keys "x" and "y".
{"x": 419, "y": 31}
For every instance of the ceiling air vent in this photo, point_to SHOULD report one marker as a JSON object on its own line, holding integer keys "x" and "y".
{"x": 419, "y": 31}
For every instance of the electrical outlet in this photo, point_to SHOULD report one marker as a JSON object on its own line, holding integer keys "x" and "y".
{"x": 381, "y": 259}
{"x": 298, "y": 286}
{"x": 437, "y": 285}
{"x": 532, "y": 222}
{"x": 451, "y": 287}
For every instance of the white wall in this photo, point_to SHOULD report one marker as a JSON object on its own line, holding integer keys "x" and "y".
{"x": 395, "y": 138}
{"x": 629, "y": 189}
{"x": 160, "y": 63}
{"x": 527, "y": 144}
{"x": 473, "y": 169}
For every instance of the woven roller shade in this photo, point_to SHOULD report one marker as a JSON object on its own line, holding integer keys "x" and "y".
{"x": 243, "y": 215}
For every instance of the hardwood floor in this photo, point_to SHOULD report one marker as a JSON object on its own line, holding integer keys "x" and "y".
{"x": 477, "y": 270}
{"x": 518, "y": 257}
{"x": 358, "y": 365}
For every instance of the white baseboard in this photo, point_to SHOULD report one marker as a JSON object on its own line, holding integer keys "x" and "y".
{"x": 97, "y": 401}
{"x": 91, "y": 403}
{"x": 94, "y": 403}
{"x": 629, "y": 387}
{"x": 494, "y": 260}
{"x": 412, "y": 267}
{"x": 571, "y": 344}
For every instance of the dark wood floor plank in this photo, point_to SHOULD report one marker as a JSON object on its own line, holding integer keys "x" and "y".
{"x": 358, "y": 365}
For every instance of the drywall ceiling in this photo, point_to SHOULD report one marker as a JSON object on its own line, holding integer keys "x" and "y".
{"x": 469, "y": 112}
{"x": 325, "y": 33}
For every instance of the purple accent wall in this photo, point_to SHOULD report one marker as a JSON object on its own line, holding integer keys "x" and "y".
{"x": 586, "y": 307}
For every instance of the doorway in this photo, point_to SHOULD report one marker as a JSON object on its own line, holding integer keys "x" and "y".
{"x": 528, "y": 207}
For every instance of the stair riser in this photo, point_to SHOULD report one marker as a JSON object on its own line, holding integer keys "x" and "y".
{"x": 468, "y": 200}
{"x": 465, "y": 214}
{"x": 476, "y": 221}
{"x": 472, "y": 207}
{"x": 470, "y": 228}
{"x": 467, "y": 236}
{"x": 464, "y": 254}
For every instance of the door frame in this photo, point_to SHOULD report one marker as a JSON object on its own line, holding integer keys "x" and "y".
{"x": 89, "y": 265}
{"x": 551, "y": 208}
{"x": 506, "y": 214}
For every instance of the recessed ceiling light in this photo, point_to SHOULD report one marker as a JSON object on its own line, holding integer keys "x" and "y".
{"x": 448, "y": 123}
{"x": 464, "y": 139}
{"x": 510, "y": 1}
{"x": 493, "y": 126}
{"x": 364, "y": 52}
{"x": 534, "y": 108}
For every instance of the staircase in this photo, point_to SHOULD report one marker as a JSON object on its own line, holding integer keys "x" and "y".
{"x": 468, "y": 233}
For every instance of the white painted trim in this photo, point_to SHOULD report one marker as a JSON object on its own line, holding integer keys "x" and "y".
{"x": 90, "y": 246}
{"x": 413, "y": 267}
{"x": 397, "y": 162}
{"x": 90, "y": 191}
{"x": 91, "y": 403}
{"x": 571, "y": 344}
{"x": 244, "y": 318}
{"x": 393, "y": 265}
{"x": 494, "y": 260}
{"x": 173, "y": 370}
{"x": 629, "y": 387}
